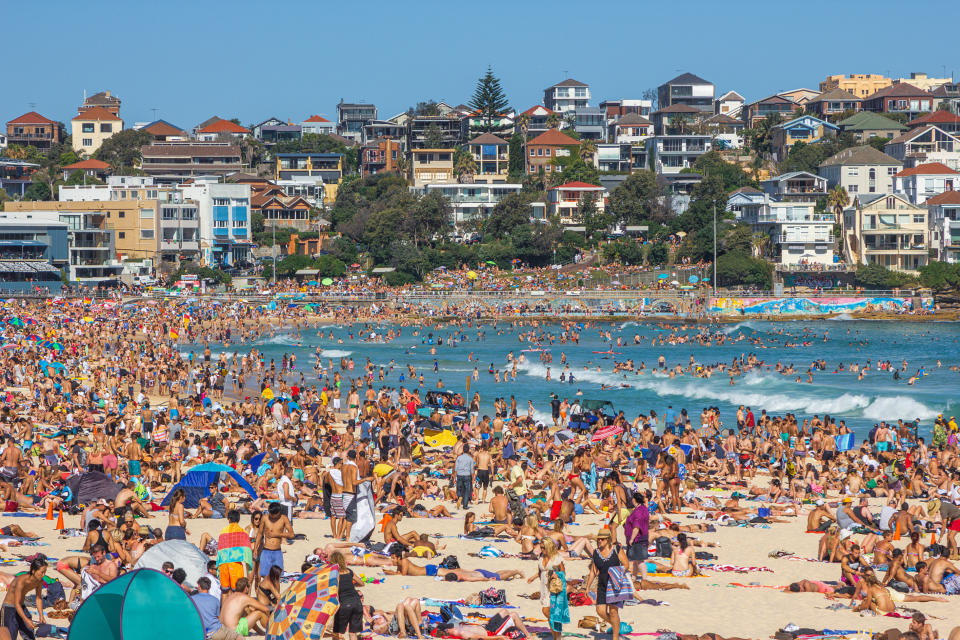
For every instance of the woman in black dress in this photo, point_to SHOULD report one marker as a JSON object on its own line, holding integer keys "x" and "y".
{"x": 349, "y": 617}
{"x": 605, "y": 556}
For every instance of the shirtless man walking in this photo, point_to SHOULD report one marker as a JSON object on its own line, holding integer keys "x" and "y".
{"x": 275, "y": 529}
{"x": 484, "y": 462}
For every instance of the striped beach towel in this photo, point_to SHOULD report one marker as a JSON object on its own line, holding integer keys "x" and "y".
{"x": 233, "y": 545}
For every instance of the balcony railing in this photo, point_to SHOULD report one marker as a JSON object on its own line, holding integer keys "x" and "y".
{"x": 787, "y": 238}
{"x": 29, "y": 136}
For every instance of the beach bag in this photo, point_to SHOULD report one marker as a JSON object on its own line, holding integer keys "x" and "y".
{"x": 554, "y": 583}
{"x": 589, "y": 622}
{"x": 451, "y": 612}
{"x": 619, "y": 585}
{"x": 450, "y": 562}
{"x": 493, "y": 597}
{"x": 664, "y": 548}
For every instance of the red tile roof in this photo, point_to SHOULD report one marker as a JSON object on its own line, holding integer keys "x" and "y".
{"x": 935, "y": 117}
{"x": 96, "y": 113}
{"x": 529, "y": 112}
{"x": 91, "y": 164}
{"x": 900, "y": 89}
{"x": 555, "y": 138}
{"x": 31, "y": 118}
{"x": 947, "y": 197}
{"x": 161, "y": 128}
{"x": 576, "y": 185}
{"x": 316, "y": 119}
{"x": 929, "y": 169}
{"x": 223, "y": 126}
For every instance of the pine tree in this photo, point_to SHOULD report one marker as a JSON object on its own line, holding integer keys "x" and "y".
{"x": 489, "y": 100}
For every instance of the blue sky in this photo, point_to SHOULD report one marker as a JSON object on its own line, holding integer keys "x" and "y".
{"x": 291, "y": 58}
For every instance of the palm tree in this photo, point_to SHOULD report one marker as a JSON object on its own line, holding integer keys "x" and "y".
{"x": 465, "y": 168}
{"x": 760, "y": 242}
{"x": 588, "y": 148}
{"x": 554, "y": 120}
{"x": 401, "y": 165}
{"x": 838, "y": 200}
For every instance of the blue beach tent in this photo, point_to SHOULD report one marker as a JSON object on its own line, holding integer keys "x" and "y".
{"x": 196, "y": 483}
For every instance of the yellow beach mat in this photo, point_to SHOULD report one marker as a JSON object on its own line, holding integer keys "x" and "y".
{"x": 442, "y": 439}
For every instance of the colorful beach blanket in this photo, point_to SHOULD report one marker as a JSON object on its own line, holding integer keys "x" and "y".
{"x": 233, "y": 546}
{"x": 730, "y": 568}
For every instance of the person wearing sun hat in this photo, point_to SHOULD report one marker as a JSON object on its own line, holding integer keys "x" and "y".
{"x": 950, "y": 515}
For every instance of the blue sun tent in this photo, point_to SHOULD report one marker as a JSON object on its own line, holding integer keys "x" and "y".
{"x": 196, "y": 483}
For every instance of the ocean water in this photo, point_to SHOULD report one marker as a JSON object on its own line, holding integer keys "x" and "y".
{"x": 861, "y": 403}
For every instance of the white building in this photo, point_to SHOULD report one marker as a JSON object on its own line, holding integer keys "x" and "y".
{"x": 797, "y": 234}
{"x": 924, "y": 145}
{"x": 566, "y": 96}
{"x": 318, "y": 125}
{"x": 944, "y": 216}
{"x": 925, "y": 181}
{"x": 673, "y": 153}
{"x": 886, "y": 229}
{"x": 473, "y": 201}
{"x": 224, "y": 211}
{"x": 564, "y": 200}
{"x": 863, "y": 169}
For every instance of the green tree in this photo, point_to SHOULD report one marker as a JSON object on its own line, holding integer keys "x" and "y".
{"x": 507, "y": 215}
{"x": 330, "y": 266}
{"x": 593, "y": 219}
{"x": 940, "y": 276}
{"x": 738, "y": 268}
{"x": 517, "y": 161}
{"x": 257, "y": 222}
{"x": 430, "y": 215}
{"x": 489, "y": 100}
{"x": 657, "y": 254}
{"x": 80, "y": 177}
{"x": 433, "y": 136}
{"x": 37, "y": 191}
{"x": 122, "y": 149}
{"x": 736, "y": 238}
{"x": 875, "y": 276}
{"x": 879, "y": 143}
{"x": 426, "y": 108}
{"x": 639, "y": 199}
{"x": 838, "y": 200}
{"x": 464, "y": 165}
{"x": 713, "y": 164}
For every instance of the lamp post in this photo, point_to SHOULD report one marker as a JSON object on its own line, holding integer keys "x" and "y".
{"x": 714, "y": 249}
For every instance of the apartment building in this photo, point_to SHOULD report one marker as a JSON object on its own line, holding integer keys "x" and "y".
{"x": 564, "y": 97}
{"x": 925, "y": 145}
{"x": 564, "y": 200}
{"x": 431, "y": 166}
{"x": 550, "y": 144}
{"x": 101, "y": 100}
{"x": 900, "y": 98}
{"x": 224, "y": 213}
{"x": 888, "y": 230}
{"x": 318, "y": 125}
{"x": 862, "y": 169}
{"x": 687, "y": 89}
{"x": 796, "y": 186}
{"x": 35, "y": 130}
{"x": 328, "y": 166}
{"x": 491, "y": 153}
{"x": 806, "y": 129}
{"x": 798, "y": 235}
{"x": 32, "y": 254}
{"x": 670, "y": 154}
{"x": 380, "y": 154}
{"x": 471, "y": 202}
{"x": 944, "y": 216}
{"x": 91, "y": 127}
{"x": 352, "y": 117}
{"x": 925, "y": 181}
{"x": 171, "y": 162}
{"x": 860, "y": 85}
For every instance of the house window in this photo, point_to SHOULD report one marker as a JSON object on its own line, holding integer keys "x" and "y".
{"x": 121, "y": 235}
{"x": 121, "y": 214}
{"x": 892, "y": 171}
{"x": 106, "y": 127}
{"x": 852, "y": 188}
{"x": 853, "y": 172}
{"x": 239, "y": 224}
{"x": 87, "y": 127}
{"x": 891, "y": 202}
{"x": 533, "y": 152}
{"x": 918, "y": 218}
{"x": 146, "y": 234}
{"x": 220, "y": 224}
{"x": 547, "y": 168}
{"x": 146, "y": 213}
{"x": 87, "y": 142}
{"x": 873, "y": 173}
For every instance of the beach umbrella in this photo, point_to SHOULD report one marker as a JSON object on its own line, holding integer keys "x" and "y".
{"x": 267, "y": 394}
{"x": 491, "y": 263}
{"x": 15, "y": 322}
{"x": 674, "y": 282}
{"x": 471, "y": 275}
{"x": 562, "y": 436}
{"x": 606, "y": 432}
{"x": 662, "y": 276}
{"x": 307, "y": 606}
{"x": 693, "y": 279}
{"x": 311, "y": 283}
{"x": 327, "y": 282}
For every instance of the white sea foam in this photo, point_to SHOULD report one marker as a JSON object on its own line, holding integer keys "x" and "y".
{"x": 841, "y": 317}
{"x": 896, "y": 407}
{"x": 335, "y": 353}
{"x": 747, "y": 393}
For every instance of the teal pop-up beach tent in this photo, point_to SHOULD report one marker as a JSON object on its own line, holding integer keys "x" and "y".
{"x": 140, "y": 605}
